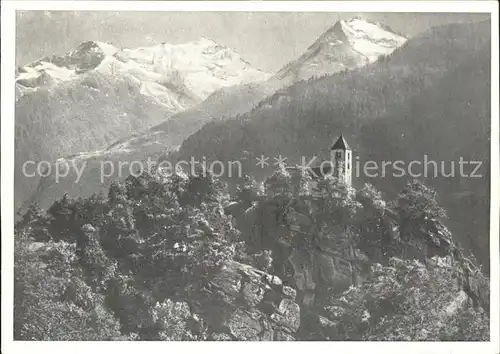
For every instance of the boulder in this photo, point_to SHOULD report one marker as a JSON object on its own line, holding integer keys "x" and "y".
{"x": 243, "y": 303}
{"x": 283, "y": 337}
{"x": 287, "y": 316}
{"x": 289, "y": 292}
{"x": 243, "y": 326}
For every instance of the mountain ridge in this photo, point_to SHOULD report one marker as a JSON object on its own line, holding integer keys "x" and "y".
{"x": 369, "y": 106}
{"x": 97, "y": 94}
{"x": 155, "y": 143}
{"x": 231, "y": 101}
{"x": 203, "y": 66}
{"x": 361, "y": 42}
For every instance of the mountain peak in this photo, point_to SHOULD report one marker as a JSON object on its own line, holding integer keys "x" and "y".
{"x": 348, "y": 44}
{"x": 176, "y": 75}
{"x": 369, "y": 22}
{"x": 370, "y": 38}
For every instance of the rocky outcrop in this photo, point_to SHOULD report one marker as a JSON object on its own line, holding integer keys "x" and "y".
{"x": 240, "y": 302}
{"x": 297, "y": 258}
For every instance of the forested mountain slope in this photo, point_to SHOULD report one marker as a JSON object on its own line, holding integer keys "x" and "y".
{"x": 431, "y": 96}
{"x": 179, "y": 258}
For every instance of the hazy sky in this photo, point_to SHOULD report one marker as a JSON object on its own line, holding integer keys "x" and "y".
{"x": 266, "y": 39}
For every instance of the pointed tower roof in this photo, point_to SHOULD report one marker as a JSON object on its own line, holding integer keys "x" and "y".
{"x": 341, "y": 144}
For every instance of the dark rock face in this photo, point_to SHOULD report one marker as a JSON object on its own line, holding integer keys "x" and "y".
{"x": 245, "y": 325}
{"x": 305, "y": 267}
{"x": 241, "y": 302}
{"x": 287, "y": 316}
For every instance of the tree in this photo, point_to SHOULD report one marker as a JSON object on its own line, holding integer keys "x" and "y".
{"x": 52, "y": 301}
{"x": 127, "y": 252}
{"x": 36, "y": 224}
{"x": 417, "y": 201}
{"x": 408, "y": 301}
{"x": 202, "y": 187}
{"x": 301, "y": 181}
{"x": 97, "y": 265}
{"x": 421, "y": 222}
{"x": 278, "y": 185}
{"x": 247, "y": 191}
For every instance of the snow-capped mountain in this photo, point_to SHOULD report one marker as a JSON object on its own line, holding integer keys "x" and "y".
{"x": 346, "y": 45}
{"x": 97, "y": 94}
{"x": 177, "y": 76}
{"x": 205, "y": 70}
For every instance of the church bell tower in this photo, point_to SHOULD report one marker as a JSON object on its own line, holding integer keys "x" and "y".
{"x": 341, "y": 158}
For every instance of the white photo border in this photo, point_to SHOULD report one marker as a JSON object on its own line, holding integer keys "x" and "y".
{"x": 8, "y": 18}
